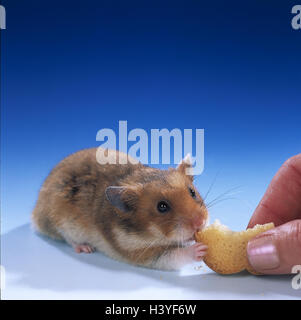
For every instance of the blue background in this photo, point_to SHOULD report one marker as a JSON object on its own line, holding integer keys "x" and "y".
{"x": 71, "y": 68}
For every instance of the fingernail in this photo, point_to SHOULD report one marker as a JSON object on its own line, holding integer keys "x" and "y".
{"x": 262, "y": 254}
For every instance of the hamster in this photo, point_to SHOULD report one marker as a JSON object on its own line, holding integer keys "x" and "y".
{"x": 130, "y": 212}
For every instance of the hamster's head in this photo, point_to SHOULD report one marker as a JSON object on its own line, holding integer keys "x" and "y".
{"x": 164, "y": 205}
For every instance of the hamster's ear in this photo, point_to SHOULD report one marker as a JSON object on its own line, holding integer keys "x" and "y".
{"x": 186, "y": 163}
{"x": 122, "y": 198}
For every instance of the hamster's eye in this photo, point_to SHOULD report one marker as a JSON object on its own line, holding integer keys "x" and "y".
{"x": 163, "y": 207}
{"x": 192, "y": 193}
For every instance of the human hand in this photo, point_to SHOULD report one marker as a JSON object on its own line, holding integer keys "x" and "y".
{"x": 278, "y": 250}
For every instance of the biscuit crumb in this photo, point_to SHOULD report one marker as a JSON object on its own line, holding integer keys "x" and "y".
{"x": 198, "y": 268}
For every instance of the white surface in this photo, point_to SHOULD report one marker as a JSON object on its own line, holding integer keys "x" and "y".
{"x": 39, "y": 268}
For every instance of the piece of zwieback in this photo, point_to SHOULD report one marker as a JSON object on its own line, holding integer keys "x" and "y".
{"x": 227, "y": 249}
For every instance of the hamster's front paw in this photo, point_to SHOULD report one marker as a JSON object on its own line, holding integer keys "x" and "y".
{"x": 179, "y": 257}
{"x": 197, "y": 251}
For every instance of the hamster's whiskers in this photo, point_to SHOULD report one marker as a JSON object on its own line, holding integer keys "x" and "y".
{"x": 210, "y": 187}
{"x": 177, "y": 242}
{"x": 220, "y": 198}
{"x": 150, "y": 245}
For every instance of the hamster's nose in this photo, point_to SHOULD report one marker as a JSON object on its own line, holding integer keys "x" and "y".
{"x": 197, "y": 223}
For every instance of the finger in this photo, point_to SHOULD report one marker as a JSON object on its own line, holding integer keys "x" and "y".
{"x": 277, "y": 250}
{"x": 282, "y": 200}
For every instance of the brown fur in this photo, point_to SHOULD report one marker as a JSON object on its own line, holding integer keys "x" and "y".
{"x": 72, "y": 206}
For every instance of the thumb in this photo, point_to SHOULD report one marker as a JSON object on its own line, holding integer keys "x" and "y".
{"x": 276, "y": 251}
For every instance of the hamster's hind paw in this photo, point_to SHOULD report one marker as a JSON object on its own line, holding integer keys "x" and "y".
{"x": 79, "y": 248}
